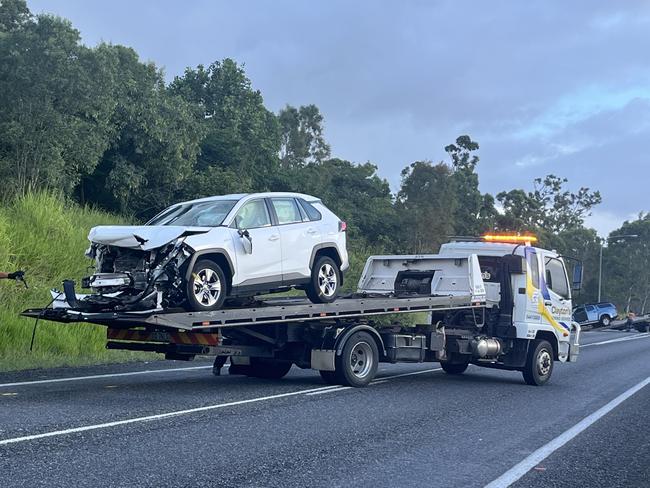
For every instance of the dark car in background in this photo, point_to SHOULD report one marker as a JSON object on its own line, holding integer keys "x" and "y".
{"x": 595, "y": 313}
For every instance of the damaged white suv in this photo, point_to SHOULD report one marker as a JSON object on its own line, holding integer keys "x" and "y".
{"x": 196, "y": 254}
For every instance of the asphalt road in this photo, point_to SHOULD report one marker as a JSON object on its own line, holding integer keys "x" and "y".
{"x": 160, "y": 424}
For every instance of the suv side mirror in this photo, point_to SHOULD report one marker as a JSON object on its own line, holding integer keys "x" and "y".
{"x": 247, "y": 240}
{"x": 577, "y": 277}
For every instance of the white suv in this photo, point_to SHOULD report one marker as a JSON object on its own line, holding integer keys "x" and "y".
{"x": 196, "y": 254}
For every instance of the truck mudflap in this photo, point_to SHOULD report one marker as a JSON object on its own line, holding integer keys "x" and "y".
{"x": 574, "y": 342}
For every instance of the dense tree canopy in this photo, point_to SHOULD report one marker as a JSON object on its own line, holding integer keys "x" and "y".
{"x": 302, "y": 136}
{"x": 102, "y": 127}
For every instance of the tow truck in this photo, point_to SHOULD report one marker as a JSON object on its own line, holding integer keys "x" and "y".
{"x": 495, "y": 302}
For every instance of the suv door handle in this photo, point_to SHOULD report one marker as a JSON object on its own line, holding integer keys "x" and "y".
{"x": 548, "y": 302}
{"x": 312, "y": 231}
{"x": 274, "y": 237}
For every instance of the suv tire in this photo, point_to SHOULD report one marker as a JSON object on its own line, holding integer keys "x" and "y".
{"x": 605, "y": 320}
{"x": 206, "y": 288}
{"x": 325, "y": 281}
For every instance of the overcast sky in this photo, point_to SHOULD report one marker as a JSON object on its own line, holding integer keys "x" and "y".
{"x": 557, "y": 87}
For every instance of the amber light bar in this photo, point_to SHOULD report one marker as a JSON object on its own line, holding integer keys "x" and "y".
{"x": 508, "y": 238}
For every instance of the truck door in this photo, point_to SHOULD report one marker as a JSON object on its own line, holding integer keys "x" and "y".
{"x": 528, "y": 297}
{"x": 557, "y": 295}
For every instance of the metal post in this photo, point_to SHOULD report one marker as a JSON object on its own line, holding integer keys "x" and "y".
{"x": 600, "y": 272}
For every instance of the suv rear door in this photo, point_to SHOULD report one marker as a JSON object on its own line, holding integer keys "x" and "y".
{"x": 299, "y": 236}
{"x": 592, "y": 313}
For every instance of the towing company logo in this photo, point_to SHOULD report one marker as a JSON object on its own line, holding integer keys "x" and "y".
{"x": 562, "y": 312}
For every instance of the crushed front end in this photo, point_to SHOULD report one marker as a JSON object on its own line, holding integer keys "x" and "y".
{"x": 135, "y": 279}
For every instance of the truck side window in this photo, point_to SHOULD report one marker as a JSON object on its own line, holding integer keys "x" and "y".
{"x": 556, "y": 277}
{"x": 534, "y": 270}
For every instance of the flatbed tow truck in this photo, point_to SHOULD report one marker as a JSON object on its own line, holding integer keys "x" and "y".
{"x": 491, "y": 304}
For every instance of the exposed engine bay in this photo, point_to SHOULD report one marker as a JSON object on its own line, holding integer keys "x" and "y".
{"x": 134, "y": 279}
{"x": 135, "y": 268}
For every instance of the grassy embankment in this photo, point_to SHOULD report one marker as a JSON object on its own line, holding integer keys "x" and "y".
{"x": 47, "y": 237}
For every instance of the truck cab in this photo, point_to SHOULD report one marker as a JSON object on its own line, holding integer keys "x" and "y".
{"x": 541, "y": 293}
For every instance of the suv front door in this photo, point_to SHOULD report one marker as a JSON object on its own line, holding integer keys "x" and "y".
{"x": 264, "y": 263}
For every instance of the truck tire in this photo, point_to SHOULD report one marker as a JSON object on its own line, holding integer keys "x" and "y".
{"x": 539, "y": 363}
{"x": 358, "y": 363}
{"x": 605, "y": 320}
{"x": 329, "y": 377}
{"x": 206, "y": 288}
{"x": 268, "y": 369}
{"x": 325, "y": 281}
{"x": 453, "y": 368}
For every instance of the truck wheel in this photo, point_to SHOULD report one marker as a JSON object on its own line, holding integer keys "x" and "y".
{"x": 358, "y": 363}
{"x": 325, "y": 281}
{"x": 453, "y": 368}
{"x": 268, "y": 369}
{"x": 539, "y": 363}
{"x": 206, "y": 288}
{"x": 605, "y": 320}
{"x": 329, "y": 377}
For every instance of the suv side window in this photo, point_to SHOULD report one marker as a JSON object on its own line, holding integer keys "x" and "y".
{"x": 556, "y": 277}
{"x": 252, "y": 215}
{"x": 310, "y": 210}
{"x": 287, "y": 210}
{"x": 590, "y": 308}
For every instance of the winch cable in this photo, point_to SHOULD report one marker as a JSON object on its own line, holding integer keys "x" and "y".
{"x": 31, "y": 345}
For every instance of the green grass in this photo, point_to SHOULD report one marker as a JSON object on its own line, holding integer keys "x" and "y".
{"x": 46, "y": 236}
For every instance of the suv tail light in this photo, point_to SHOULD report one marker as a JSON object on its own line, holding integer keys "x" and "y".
{"x": 343, "y": 226}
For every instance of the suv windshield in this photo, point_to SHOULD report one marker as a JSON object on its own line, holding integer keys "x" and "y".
{"x": 199, "y": 214}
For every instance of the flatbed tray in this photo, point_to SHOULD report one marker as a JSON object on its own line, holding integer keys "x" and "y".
{"x": 271, "y": 311}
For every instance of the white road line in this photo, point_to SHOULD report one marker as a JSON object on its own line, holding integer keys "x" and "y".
{"x": 148, "y": 418}
{"x": 98, "y": 376}
{"x": 520, "y": 469}
{"x": 340, "y": 388}
{"x": 619, "y": 339}
{"x": 85, "y": 428}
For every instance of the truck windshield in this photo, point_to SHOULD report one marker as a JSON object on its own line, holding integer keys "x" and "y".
{"x": 199, "y": 214}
